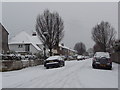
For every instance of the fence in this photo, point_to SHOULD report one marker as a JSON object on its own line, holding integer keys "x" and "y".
{"x": 116, "y": 57}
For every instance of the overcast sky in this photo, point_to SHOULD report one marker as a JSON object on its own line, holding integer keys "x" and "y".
{"x": 79, "y": 18}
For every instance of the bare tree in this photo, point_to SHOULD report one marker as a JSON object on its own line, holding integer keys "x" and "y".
{"x": 104, "y": 35}
{"x": 96, "y": 48}
{"x": 80, "y": 48}
{"x": 49, "y": 27}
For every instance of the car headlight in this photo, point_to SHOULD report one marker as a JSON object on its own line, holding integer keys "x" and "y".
{"x": 97, "y": 62}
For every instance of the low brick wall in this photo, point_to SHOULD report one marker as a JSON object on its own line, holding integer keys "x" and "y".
{"x": 9, "y": 65}
{"x": 25, "y": 63}
{"x": 116, "y": 57}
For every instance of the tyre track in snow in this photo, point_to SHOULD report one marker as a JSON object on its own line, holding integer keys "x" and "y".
{"x": 65, "y": 79}
{"x": 55, "y": 78}
{"x": 39, "y": 77}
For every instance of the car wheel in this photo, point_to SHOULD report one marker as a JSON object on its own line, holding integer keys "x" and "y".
{"x": 60, "y": 65}
{"x": 63, "y": 64}
{"x": 93, "y": 66}
{"x": 47, "y": 67}
{"x": 110, "y": 68}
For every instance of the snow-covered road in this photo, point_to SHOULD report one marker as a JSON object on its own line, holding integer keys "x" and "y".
{"x": 75, "y": 74}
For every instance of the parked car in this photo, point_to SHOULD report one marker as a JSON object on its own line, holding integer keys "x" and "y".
{"x": 80, "y": 57}
{"x": 54, "y": 61}
{"x": 64, "y": 57}
{"x": 75, "y": 57}
{"x": 70, "y": 58}
{"x": 86, "y": 57}
{"x": 102, "y": 60}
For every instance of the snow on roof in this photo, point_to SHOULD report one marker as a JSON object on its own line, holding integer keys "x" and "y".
{"x": 22, "y": 37}
{"x": 66, "y": 48}
{"x": 25, "y": 38}
{"x": 53, "y": 57}
{"x": 36, "y": 39}
{"x": 36, "y": 46}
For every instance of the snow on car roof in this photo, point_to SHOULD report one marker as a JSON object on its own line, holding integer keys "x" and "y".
{"x": 102, "y": 54}
{"x": 53, "y": 58}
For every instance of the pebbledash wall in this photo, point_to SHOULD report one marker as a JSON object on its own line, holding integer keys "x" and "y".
{"x": 15, "y": 47}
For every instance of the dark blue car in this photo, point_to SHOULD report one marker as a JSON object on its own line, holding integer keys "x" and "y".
{"x": 102, "y": 60}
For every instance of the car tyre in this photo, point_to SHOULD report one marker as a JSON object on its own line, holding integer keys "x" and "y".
{"x": 93, "y": 66}
{"x": 110, "y": 68}
{"x": 47, "y": 67}
{"x": 63, "y": 63}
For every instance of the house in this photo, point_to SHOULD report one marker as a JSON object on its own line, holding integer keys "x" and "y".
{"x": 3, "y": 40}
{"x": 63, "y": 50}
{"x": 25, "y": 43}
{"x": 90, "y": 52}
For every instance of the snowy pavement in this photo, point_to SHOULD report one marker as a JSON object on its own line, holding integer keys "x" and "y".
{"x": 75, "y": 74}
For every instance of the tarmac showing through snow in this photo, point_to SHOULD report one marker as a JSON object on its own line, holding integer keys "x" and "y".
{"x": 75, "y": 74}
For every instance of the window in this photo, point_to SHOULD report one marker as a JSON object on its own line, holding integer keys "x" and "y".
{"x": 20, "y": 46}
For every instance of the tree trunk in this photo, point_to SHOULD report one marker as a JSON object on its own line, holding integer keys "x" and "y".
{"x": 50, "y": 51}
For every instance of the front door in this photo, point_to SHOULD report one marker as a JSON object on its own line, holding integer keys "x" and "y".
{"x": 27, "y": 47}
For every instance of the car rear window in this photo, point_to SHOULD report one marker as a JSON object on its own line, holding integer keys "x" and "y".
{"x": 49, "y": 61}
{"x": 102, "y": 54}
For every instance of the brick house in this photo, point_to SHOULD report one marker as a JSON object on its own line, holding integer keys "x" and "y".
{"x": 3, "y": 40}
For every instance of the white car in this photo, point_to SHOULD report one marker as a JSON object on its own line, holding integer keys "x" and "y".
{"x": 80, "y": 57}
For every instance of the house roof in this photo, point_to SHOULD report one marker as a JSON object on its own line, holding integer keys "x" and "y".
{"x": 66, "y": 48}
{"x": 25, "y": 38}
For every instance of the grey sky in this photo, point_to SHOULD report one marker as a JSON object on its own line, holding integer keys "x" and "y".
{"x": 79, "y": 18}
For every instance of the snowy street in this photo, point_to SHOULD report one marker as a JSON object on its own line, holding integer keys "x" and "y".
{"x": 75, "y": 74}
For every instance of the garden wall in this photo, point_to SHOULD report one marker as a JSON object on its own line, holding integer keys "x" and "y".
{"x": 9, "y": 65}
